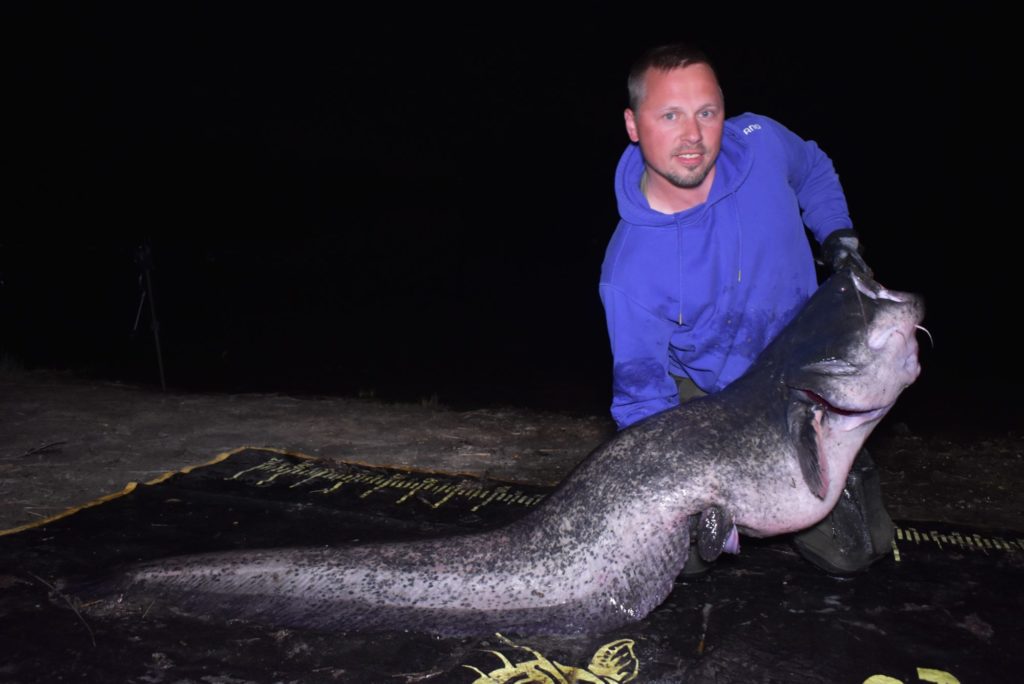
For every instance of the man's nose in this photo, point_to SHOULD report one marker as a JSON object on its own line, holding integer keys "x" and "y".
{"x": 689, "y": 130}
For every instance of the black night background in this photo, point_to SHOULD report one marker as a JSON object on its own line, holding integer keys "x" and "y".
{"x": 415, "y": 203}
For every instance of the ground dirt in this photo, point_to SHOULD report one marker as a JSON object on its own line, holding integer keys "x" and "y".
{"x": 65, "y": 440}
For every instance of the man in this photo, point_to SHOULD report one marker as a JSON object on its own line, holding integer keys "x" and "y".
{"x": 710, "y": 260}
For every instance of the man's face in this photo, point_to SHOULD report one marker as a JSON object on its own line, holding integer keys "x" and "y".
{"x": 679, "y": 123}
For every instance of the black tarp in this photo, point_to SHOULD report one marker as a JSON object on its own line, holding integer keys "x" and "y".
{"x": 945, "y": 607}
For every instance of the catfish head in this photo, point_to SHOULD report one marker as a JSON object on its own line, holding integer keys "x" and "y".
{"x": 842, "y": 363}
{"x": 855, "y": 348}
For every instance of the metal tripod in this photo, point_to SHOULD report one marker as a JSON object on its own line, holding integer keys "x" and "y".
{"x": 144, "y": 260}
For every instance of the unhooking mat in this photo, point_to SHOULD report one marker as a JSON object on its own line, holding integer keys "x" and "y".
{"x": 946, "y": 607}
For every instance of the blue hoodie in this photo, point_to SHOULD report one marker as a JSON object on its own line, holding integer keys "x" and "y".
{"x": 701, "y": 292}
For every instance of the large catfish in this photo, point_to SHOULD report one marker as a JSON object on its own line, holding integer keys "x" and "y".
{"x": 768, "y": 455}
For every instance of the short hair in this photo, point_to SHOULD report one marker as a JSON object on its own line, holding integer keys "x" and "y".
{"x": 663, "y": 58}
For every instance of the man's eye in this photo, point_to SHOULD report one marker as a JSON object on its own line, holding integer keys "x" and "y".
{"x": 671, "y": 116}
{"x": 707, "y": 114}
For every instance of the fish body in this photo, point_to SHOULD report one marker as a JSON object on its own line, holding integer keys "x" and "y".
{"x": 771, "y": 453}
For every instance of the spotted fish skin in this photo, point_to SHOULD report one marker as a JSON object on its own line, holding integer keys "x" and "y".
{"x": 602, "y": 550}
{"x": 554, "y": 571}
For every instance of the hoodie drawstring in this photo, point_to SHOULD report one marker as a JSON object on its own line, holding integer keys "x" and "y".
{"x": 739, "y": 237}
{"x": 679, "y": 270}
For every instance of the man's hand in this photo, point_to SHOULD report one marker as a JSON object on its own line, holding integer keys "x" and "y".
{"x": 842, "y": 249}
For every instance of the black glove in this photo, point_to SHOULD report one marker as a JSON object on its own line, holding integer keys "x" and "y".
{"x": 842, "y": 249}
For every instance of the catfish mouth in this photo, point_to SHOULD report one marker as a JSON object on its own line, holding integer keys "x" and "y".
{"x": 866, "y": 414}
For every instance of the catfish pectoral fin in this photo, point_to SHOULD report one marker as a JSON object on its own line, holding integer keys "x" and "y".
{"x": 804, "y": 426}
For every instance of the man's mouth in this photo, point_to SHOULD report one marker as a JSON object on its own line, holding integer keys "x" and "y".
{"x": 689, "y": 158}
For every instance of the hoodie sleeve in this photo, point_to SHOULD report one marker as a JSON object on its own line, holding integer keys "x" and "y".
{"x": 641, "y": 384}
{"x": 816, "y": 184}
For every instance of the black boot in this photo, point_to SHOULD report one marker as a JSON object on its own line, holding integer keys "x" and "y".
{"x": 695, "y": 565}
{"x": 857, "y": 532}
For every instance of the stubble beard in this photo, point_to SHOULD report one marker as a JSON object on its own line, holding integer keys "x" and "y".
{"x": 691, "y": 179}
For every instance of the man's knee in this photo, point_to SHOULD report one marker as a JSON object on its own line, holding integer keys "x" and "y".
{"x": 687, "y": 389}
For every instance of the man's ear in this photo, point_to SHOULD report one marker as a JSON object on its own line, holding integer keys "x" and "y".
{"x": 631, "y": 125}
